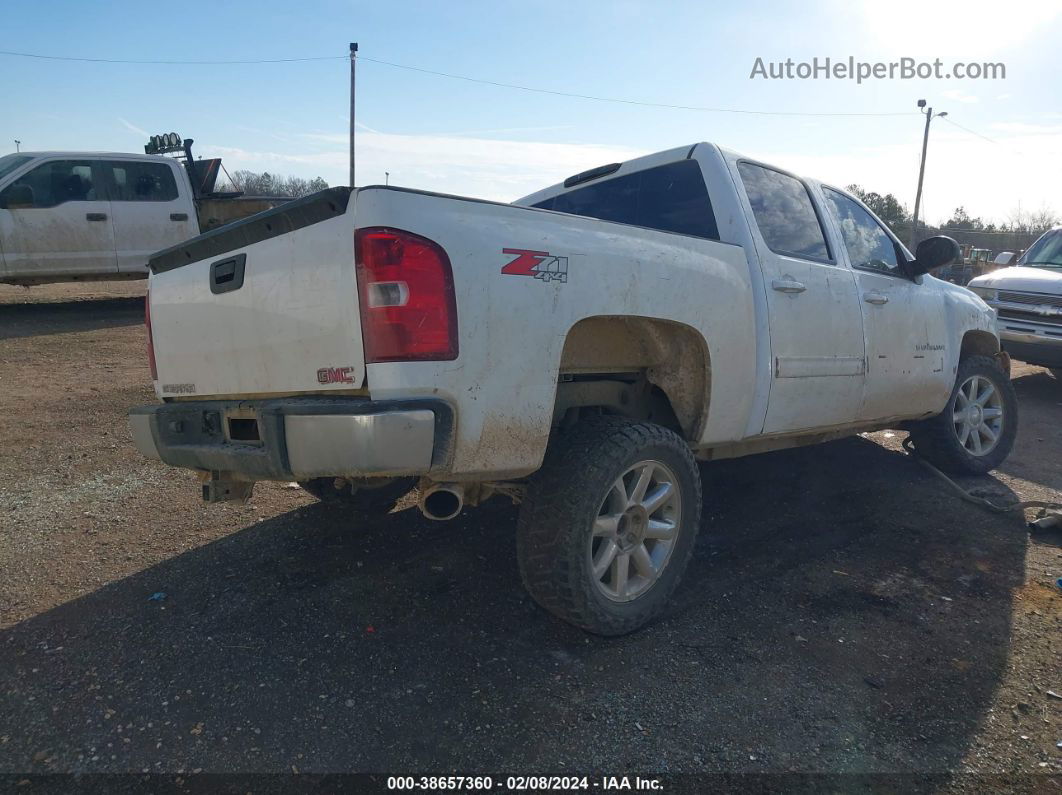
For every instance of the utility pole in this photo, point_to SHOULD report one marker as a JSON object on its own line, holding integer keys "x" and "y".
{"x": 353, "y": 59}
{"x": 922, "y": 169}
{"x": 17, "y": 144}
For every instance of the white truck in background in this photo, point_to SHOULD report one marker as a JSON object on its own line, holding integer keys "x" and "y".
{"x": 1028, "y": 300}
{"x": 578, "y": 351}
{"x": 98, "y": 216}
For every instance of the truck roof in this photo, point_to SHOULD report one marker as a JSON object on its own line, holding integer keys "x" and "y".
{"x": 71, "y": 153}
{"x": 644, "y": 162}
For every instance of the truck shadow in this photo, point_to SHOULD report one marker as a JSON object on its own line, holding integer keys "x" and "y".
{"x": 840, "y": 614}
{"x": 40, "y": 319}
{"x": 1037, "y": 455}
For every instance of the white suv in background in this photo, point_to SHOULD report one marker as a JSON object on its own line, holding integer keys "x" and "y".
{"x": 1028, "y": 300}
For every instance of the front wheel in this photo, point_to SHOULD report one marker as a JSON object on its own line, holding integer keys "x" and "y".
{"x": 975, "y": 432}
{"x": 608, "y": 524}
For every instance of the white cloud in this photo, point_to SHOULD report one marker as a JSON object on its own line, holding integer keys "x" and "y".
{"x": 968, "y": 29}
{"x": 133, "y": 128}
{"x": 1023, "y": 128}
{"x": 988, "y": 179}
{"x": 487, "y": 168}
{"x": 961, "y": 96}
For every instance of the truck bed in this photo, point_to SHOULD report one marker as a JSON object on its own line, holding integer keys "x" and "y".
{"x": 525, "y": 280}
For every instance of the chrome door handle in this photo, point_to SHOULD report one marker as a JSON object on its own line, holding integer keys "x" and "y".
{"x": 875, "y": 298}
{"x": 788, "y": 285}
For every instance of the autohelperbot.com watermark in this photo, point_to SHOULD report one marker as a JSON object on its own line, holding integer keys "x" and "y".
{"x": 851, "y": 69}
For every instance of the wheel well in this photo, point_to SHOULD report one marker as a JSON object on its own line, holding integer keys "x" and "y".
{"x": 640, "y": 367}
{"x": 978, "y": 343}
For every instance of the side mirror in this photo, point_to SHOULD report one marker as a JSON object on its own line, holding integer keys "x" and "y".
{"x": 932, "y": 253}
{"x": 17, "y": 196}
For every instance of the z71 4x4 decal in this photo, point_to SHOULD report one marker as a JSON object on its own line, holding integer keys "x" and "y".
{"x": 537, "y": 264}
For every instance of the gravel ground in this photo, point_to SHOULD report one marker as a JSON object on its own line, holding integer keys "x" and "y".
{"x": 842, "y": 613}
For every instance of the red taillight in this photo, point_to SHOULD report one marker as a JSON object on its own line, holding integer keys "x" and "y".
{"x": 151, "y": 342}
{"x": 408, "y": 309}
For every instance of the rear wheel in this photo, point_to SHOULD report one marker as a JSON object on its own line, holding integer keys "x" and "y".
{"x": 370, "y": 496}
{"x": 976, "y": 431}
{"x": 608, "y": 524}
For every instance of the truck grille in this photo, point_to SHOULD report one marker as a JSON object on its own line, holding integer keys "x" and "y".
{"x": 1036, "y": 299}
{"x": 1030, "y": 317}
{"x": 1030, "y": 307}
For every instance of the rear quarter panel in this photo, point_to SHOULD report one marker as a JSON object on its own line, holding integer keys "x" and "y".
{"x": 512, "y": 328}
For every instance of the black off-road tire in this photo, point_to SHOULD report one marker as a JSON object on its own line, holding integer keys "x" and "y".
{"x": 562, "y": 503}
{"x": 369, "y": 497}
{"x": 935, "y": 438}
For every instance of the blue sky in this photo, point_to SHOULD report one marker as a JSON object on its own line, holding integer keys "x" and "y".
{"x": 443, "y": 134}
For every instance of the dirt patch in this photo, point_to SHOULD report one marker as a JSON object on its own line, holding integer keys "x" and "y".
{"x": 842, "y": 614}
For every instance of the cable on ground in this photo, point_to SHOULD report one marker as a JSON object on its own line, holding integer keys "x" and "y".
{"x": 1050, "y": 512}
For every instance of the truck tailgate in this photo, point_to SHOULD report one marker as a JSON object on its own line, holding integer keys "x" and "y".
{"x": 263, "y": 306}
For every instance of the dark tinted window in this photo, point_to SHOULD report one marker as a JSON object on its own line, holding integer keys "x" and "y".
{"x": 133, "y": 181}
{"x": 672, "y": 198}
{"x": 784, "y": 212}
{"x": 867, "y": 244}
{"x": 51, "y": 184}
{"x": 9, "y": 163}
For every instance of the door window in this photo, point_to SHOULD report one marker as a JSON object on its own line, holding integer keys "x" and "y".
{"x": 9, "y": 163}
{"x": 133, "y": 181}
{"x": 784, "y": 213}
{"x": 868, "y": 245}
{"x": 52, "y": 184}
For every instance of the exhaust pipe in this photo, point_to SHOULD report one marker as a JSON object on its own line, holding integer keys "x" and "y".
{"x": 442, "y": 501}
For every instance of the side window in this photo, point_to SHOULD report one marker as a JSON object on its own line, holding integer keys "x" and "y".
{"x": 784, "y": 213}
{"x": 51, "y": 184}
{"x": 868, "y": 245}
{"x": 671, "y": 198}
{"x": 133, "y": 181}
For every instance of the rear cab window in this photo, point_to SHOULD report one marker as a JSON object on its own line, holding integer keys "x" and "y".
{"x": 784, "y": 213}
{"x": 669, "y": 198}
{"x": 137, "y": 181}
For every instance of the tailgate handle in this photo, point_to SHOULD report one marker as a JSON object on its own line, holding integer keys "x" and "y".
{"x": 227, "y": 275}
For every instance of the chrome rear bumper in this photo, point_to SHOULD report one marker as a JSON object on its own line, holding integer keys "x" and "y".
{"x": 296, "y": 438}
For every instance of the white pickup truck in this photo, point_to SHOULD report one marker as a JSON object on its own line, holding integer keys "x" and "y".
{"x": 1028, "y": 298}
{"x": 577, "y": 350}
{"x": 98, "y": 216}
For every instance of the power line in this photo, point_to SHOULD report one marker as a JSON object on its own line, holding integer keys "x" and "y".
{"x": 451, "y": 76}
{"x": 167, "y": 63}
{"x": 972, "y": 132}
{"x": 1008, "y": 147}
{"x": 616, "y": 99}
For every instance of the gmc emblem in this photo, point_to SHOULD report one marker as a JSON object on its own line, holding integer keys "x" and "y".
{"x": 335, "y": 375}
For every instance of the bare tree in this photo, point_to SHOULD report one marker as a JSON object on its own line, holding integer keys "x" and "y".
{"x": 265, "y": 184}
